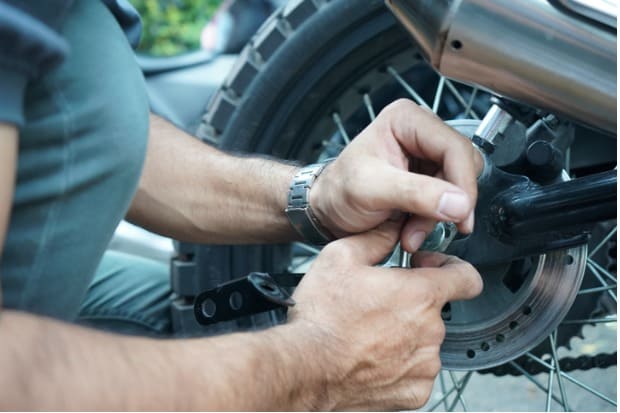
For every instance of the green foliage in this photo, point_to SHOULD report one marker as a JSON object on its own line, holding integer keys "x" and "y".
{"x": 172, "y": 27}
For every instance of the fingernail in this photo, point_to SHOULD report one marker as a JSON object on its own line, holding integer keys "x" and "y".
{"x": 469, "y": 223}
{"x": 454, "y": 205}
{"x": 416, "y": 240}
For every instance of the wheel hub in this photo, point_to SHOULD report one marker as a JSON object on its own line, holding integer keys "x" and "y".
{"x": 522, "y": 302}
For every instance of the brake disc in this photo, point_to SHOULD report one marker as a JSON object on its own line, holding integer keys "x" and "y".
{"x": 584, "y": 307}
{"x": 507, "y": 321}
{"x": 521, "y": 304}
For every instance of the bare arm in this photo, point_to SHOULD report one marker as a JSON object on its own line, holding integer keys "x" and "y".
{"x": 8, "y": 156}
{"x": 50, "y": 365}
{"x": 329, "y": 356}
{"x": 8, "y": 165}
{"x": 193, "y": 192}
{"x": 407, "y": 160}
{"x": 321, "y": 360}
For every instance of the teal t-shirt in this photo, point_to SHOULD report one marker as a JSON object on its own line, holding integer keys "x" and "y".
{"x": 81, "y": 151}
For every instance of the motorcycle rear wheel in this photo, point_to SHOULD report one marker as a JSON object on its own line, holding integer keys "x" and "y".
{"x": 312, "y": 77}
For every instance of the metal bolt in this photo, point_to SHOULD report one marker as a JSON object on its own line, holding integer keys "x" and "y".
{"x": 440, "y": 237}
{"x": 502, "y": 213}
{"x": 551, "y": 121}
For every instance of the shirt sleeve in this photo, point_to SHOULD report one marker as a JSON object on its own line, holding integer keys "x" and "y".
{"x": 30, "y": 46}
{"x": 128, "y": 18}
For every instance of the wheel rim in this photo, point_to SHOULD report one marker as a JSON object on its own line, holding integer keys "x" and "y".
{"x": 526, "y": 317}
{"x": 270, "y": 133}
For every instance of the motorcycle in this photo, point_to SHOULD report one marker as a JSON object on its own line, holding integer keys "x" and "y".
{"x": 531, "y": 82}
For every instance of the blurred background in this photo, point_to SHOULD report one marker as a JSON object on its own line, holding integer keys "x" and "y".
{"x": 172, "y": 27}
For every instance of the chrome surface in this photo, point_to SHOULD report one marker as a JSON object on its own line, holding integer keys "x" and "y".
{"x": 440, "y": 237}
{"x": 494, "y": 122}
{"x": 532, "y": 52}
{"x": 405, "y": 258}
{"x": 428, "y": 21}
{"x": 603, "y": 11}
{"x": 527, "y": 50}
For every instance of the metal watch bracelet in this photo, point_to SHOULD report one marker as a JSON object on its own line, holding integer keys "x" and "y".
{"x": 298, "y": 210}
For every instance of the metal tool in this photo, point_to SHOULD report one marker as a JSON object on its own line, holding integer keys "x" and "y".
{"x": 255, "y": 293}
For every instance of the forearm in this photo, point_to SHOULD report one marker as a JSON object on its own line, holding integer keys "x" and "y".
{"x": 193, "y": 192}
{"x": 55, "y": 366}
{"x": 8, "y": 155}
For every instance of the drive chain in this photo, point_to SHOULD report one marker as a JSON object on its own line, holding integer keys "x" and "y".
{"x": 567, "y": 364}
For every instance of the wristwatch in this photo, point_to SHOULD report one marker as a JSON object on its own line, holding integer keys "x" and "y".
{"x": 298, "y": 210}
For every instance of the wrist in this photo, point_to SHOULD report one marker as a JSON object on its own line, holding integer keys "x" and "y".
{"x": 299, "y": 210}
{"x": 320, "y": 200}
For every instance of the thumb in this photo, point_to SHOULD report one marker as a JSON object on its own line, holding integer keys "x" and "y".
{"x": 369, "y": 247}
{"x": 419, "y": 194}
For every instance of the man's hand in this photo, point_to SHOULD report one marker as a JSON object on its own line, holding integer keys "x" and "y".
{"x": 377, "y": 331}
{"x": 409, "y": 161}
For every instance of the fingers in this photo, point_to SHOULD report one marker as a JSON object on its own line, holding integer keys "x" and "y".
{"x": 418, "y": 194}
{"x": 415, "y": 231}
{"x": 455, "y": 279}
{"x": 367, "y": 248}
{"x": 427, "y": 259}
{"x": 423, "y": 135}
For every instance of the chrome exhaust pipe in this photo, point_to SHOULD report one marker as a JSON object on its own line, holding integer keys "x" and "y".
{"x": 527, "y": 50}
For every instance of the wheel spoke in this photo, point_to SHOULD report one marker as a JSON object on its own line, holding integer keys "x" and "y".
{"x": 308, "y": 248}
{"x": 452, "y": 390}
{"x": 602, "y": 281}
{"x": 470, "y": 104}
{"x": 602, "y": 270}
{"x": 443, "y": 399}
{"x": 597, "y": 289}
{"x": 592, "y": 321}
{"x": 603, "y": 242}
{"x": 574, "y": 380}
{"x": 443, "y": 389}
{"x": 438, "y": 93}
{"x": 460, "y": 391}
{"x": 460, "y": 98}
{"x": 460, "y": 395}
{"x": 556, "y": 363}
{"x": 550, "y": 387}
{"x": 369, "y": 108}
{"x": 343, "y": 132}
{"x": 533, "y": 380}
{"x": 338, "y": 146}
{"x": 407, "y": 87}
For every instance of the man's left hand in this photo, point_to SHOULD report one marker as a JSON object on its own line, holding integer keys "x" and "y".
{"x": 406, "y": 161}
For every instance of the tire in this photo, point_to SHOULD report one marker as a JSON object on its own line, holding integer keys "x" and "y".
{"x": 261, "y": 108}
{"x": 280, "y": 99}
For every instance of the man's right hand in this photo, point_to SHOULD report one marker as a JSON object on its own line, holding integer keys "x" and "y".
{"x": 376, "y": 332}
